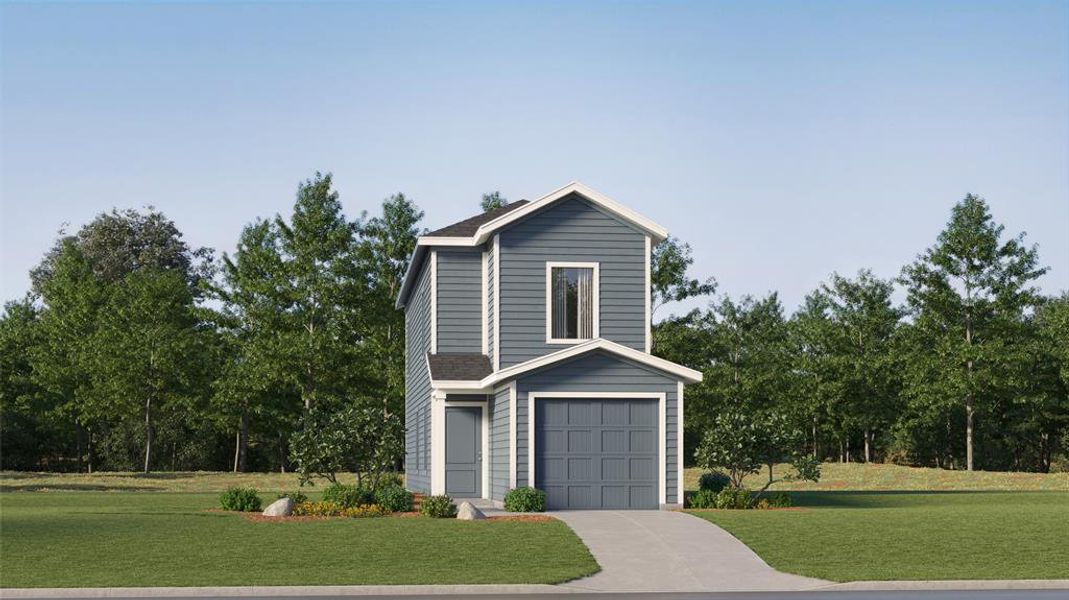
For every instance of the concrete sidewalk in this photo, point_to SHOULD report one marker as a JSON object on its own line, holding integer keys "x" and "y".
{"x": 669, "y": 551}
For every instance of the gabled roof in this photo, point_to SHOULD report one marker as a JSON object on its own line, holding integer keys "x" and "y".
{"x": 469, "y": 226}
{"x": 477, "y": 230}
{"x": 487, "y": 383}
{"x": 458, "y": 366}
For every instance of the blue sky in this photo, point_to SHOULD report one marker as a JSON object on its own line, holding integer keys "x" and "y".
{"x": 783, "y": 140}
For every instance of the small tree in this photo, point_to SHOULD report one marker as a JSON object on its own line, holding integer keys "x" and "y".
{"x": 742, "y": 444}
{"x": 361, "y": 439}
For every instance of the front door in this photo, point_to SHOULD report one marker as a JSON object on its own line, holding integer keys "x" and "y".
{"x": 463, "y": 452}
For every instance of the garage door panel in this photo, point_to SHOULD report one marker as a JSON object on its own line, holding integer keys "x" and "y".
{"x": 598, "y": 453}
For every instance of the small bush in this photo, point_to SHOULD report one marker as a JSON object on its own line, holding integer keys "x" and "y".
{"x": 240, "y": 499}
{"x": 365, "y": 512}
{"x": 438, "y": 507}
{"x": 703, "y": 499}
{"x": 394, "y": 498}
{"x": 297, "y": 497}
{"x": 762, "y": 504}
{"x": 348, "y": 496}
{"x": 317, "y": 509}
{"x": 778, "y": 499}
{"x": 391, "y": 479}
{"x": 733, "y": 499}
{"x": 713, "y": 481}
{"x": 525, "y": 499}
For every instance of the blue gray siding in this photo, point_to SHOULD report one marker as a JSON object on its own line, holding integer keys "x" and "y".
{"x": 460, "y": 317}
{"x": 599, "y": 372}
{"x": 571, "y": 230}
{"x": 490, "y": 300}
{"x": 418, "y": 386}
{"x": 499, "y": 443}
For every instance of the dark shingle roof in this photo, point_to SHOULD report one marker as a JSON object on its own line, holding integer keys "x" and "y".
{"x": 459, "y": 366}
{"x": 468, "y": 227}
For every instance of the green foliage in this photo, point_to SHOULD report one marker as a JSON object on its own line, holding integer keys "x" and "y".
{"x": 297, "y": 496}
{"x": 670, "y": 262}
{"x": 438, "y": 507}
{"x": 733, "y": 499}
{"x": 703, "y": 499}
{"x": 358, "y": 439}
{"x": 778, "y": 499}
{"x": 713, "y": 481}
{"x": 348, "y": 496}
{"x": 394, "y": 498}
{"x": 493, "y": 201}
{"x": 742, "y": 444}
{"x": 525, "y": 499}
{"x": 240, "y": 499}
{"x": 333, "y": 509}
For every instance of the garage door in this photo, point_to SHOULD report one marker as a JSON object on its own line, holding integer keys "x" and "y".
{"x": 597, "y": 453}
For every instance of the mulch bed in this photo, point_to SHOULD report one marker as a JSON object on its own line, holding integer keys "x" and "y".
{"x": 259, "y": 518}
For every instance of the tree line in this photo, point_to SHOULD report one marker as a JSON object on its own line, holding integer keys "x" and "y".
{"x": 135, "y": 351}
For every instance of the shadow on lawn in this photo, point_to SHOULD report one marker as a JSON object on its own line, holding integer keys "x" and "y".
{"x": 897, "y": 498}
{"x": 77, "y": 487}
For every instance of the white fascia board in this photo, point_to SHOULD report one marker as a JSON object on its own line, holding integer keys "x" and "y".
{"x": 459, "y": 386}
{"x": 686, "y": 374}
{"x": 608, "y": 204}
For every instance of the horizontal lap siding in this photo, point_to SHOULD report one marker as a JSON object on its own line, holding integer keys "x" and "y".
{"x": 418, "y": 385}
{"x": 572, "y": 230}
{"x": 459, "y": 301}
{"x": 600, "y": 372}
{"x": 499, "y": 443}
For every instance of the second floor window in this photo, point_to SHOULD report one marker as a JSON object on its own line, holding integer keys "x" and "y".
{"x": 572, "y": 311}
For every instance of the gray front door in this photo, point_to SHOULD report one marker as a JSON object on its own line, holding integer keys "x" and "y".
{"x": 593, "y": 453}
{"x": 463, "y": 452}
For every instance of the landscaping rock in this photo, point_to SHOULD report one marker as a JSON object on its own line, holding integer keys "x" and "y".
{"x": 283, "y": 507}
{"x": 467, "y": 512}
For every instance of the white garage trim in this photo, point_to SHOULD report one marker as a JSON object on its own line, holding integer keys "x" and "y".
{"x": 679, "y": 443}
{"x": 662, "y": 453}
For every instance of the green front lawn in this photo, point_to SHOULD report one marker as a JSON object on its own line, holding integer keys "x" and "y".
{"x": 91, "y": 539}
{"x": 851, "y": 536}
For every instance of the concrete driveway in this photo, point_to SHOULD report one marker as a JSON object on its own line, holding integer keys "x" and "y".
{"x": 668, "y": 551}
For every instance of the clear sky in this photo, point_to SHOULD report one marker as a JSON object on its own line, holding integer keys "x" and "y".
{"x": 783, "y": 140}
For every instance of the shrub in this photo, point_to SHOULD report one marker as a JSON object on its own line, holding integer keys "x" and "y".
{"x": 438, "y": 507}
{"x": 732, "y": 498}
{"x": 297, "y": 497}
{"x": 240, "y": 499}
{"x": 703, "y": 499}
{"x": 525, "y": 499}
{"x": 317, "y": 509}
{"x": 394, "y": 498}
{"x": 348, "y": 496}
{"x": 391, "y": 479}
{"x": 713, "y": 481}
{"x": 778, "y": 499}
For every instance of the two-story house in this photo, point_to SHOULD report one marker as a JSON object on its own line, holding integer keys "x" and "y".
{"x": 528, "y": 358}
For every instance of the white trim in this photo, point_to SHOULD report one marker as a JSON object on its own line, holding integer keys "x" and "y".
{"x": 687, "y": 374}
{"x": 485, "y": 309}
{"x": 662, "y": 451}
{"x": 679, "y": 442}
{"x": 512, "y": 435}
{"x": 649, "y": 292}
{"x": 437, "y": 444}
{"x": 596, "y": 267}
{"x": 434, "y": 302}
{"x": 484, "y": 461}
{"x": 445, "y": 241}
{"x": 487, "y": 383}
{"x": 497, "y": 302}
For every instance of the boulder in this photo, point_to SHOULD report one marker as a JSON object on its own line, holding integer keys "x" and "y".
{"x": 283, "y": 507}
{"x": 467, "y": 512}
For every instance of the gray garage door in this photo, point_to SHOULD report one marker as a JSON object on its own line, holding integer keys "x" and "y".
{"x": 594, "y": 453}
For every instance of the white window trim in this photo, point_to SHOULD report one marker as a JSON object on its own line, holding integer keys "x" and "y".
{"x": 596, "y": 301}
{"x": 662, "y": 453}
{"x": 438, "y": 436}
{"x": 434, "y": 302}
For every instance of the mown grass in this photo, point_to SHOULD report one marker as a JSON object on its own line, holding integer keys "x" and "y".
{"x": 852, "y": 536}
{"x": 93, "y": 539}
{"x": 194, "y": 481}
{"x": 860, "y": 477}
